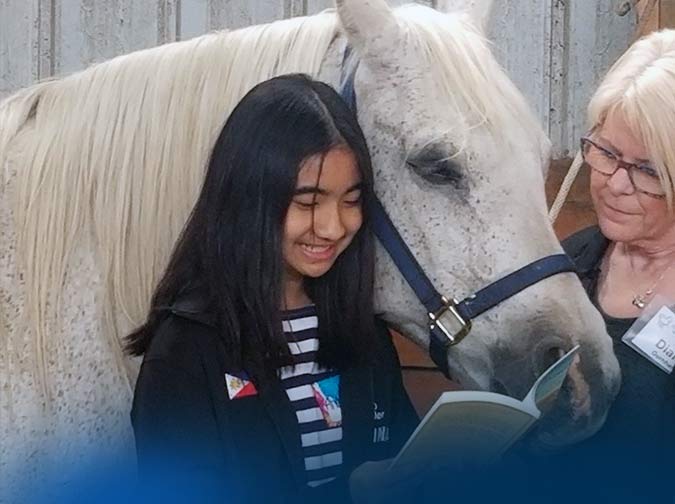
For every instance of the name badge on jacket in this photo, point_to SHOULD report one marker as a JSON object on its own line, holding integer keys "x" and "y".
{"x": 653, "y": 336}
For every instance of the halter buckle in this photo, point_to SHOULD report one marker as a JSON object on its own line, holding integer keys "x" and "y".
{"x": 450, "y": 316}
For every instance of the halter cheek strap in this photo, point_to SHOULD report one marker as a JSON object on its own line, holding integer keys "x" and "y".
{"x": 449, "y": 319}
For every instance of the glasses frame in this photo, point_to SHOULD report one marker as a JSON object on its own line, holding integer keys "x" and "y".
{"x": 620, "y": 163}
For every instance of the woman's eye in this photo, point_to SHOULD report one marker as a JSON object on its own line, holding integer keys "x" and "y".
{"x": 608, "y": 154}
{"x": 649, "y": 171}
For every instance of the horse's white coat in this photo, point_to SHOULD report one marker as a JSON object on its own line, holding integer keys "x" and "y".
{"x": 101, "y": 168}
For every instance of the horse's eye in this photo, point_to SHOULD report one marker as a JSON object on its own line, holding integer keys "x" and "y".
{"x": 439, "y": 171}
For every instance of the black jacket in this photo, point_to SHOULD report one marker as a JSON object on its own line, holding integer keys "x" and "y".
{"x": 248, "y": 449}
{"x": 642, "y": 416}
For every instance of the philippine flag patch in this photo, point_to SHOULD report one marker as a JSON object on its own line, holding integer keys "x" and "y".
{"x": 239, "y": 386}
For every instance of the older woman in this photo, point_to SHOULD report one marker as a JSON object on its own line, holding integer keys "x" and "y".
{"x": 627, "y": 262}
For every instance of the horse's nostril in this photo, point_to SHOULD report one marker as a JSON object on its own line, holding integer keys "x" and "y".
{"x": 549, "y": 357}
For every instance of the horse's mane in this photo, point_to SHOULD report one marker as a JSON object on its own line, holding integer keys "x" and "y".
{"x": 116, "y": 159}
{"x": 116, "y": 153}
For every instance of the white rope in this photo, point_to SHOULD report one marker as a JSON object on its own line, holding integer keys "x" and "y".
{"x": 565, "y": 187}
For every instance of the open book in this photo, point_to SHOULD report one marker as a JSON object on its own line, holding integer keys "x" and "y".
{"x": 477, "y": 427}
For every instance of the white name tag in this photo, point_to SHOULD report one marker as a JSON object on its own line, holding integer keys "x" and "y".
{"x": 656, "y": 340}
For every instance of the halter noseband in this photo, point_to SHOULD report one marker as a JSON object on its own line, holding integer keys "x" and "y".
{"x": 449, "y": 319}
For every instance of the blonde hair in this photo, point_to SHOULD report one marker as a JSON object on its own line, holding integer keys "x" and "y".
{"x": 641, "y": 86}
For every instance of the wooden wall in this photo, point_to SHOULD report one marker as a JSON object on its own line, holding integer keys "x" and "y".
{"x": 554, "y": 50}
{"x": 655, "y": 14}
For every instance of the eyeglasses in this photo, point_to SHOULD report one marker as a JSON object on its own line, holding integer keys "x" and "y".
{"x": 644, "y": 178}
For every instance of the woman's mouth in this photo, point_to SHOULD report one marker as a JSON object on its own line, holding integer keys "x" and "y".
{"x": 613, "y": 210}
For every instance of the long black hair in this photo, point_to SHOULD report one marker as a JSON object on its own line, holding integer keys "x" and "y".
{"x": 231, "y": 247}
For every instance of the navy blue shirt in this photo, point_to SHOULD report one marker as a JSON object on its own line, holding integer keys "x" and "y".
{"x": 643, "y": 415}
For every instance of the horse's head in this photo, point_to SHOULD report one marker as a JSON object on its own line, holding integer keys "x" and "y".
{"x": 460, "y": 163}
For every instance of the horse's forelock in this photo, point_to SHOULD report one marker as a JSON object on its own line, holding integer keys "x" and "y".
{"x": 467, "y": 72}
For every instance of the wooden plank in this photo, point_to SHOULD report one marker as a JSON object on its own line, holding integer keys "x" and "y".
{"x": 314, "y": 6}
{"x": 556, "y": 78}
{"x": 599, "y": 35}
{"x": 168, "y": 21}
{"x": 19, "y": 44}
{"x": 89, "y": 31}
{"x": 648, "y": 14}
{"x": 45, "y": 35}
{"x": 396, "y": 3}
{"x": 194, "y": 18}
{"x": 582, "y": 67}
{"x": 524, "y": 52}
{"x": 239, "y": 13}
{"x": 293, "y": 8}
{"x": 667, "y": 14}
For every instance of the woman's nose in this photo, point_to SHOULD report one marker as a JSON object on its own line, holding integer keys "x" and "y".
{"x": 620, "y": 183}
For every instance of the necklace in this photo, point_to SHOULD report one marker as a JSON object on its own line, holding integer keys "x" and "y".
{"x": 640, "y": 300}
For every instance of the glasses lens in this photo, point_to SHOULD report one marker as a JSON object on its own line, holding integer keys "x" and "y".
{"x": 598, "y": 159}
{"x": 645, "y": 180}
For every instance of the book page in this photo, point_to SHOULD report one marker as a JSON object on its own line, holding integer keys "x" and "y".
{"x": 545, "y": 390}
{"x": 464, "y": 429}
{"x": 468, "y": 428}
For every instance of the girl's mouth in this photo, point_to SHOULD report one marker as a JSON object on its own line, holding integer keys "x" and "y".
{"x": 320, "y": 252}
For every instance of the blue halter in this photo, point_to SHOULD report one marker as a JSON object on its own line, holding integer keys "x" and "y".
{"x": 449, "y": 319}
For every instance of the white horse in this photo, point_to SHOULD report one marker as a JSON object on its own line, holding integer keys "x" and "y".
{"x": 100, "y": 170}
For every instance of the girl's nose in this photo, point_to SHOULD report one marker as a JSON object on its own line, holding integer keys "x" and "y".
{"x": 328, "y": 223}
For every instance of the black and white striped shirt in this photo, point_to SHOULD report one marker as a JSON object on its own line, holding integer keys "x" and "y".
{"x": 314, "y": 395}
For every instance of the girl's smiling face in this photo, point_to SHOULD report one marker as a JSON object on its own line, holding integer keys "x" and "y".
{"x": 324, "y": 215}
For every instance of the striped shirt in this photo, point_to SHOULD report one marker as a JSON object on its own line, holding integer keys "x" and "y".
{"x": 314, "y": 395}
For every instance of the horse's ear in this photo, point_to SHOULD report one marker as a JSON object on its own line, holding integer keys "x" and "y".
{"x": 479, "y": 10}
{"x": 370, "y": 25}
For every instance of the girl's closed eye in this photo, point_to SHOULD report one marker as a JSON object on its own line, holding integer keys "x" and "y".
{"x": 353, "y": 200}
{"x": 306, "y": 202}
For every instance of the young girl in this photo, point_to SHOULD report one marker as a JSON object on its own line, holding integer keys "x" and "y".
{"x": 265, "y": 374}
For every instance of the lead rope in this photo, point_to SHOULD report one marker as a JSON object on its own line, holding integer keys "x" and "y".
{"x": 565, "y": 187}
